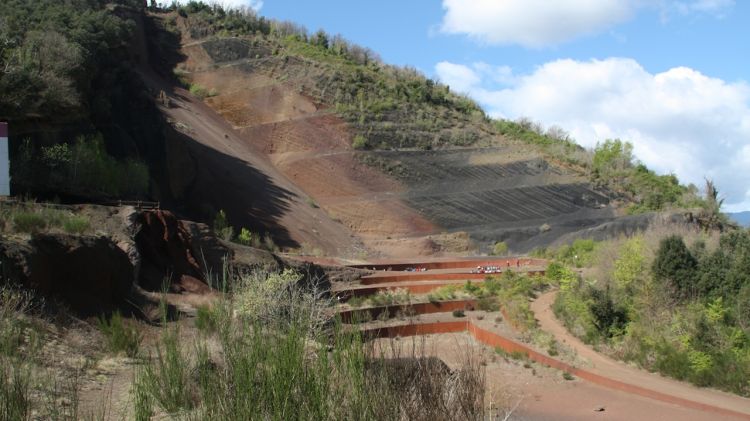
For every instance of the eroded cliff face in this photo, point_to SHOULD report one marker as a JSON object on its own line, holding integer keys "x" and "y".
{"x": 149, "y": 251}
{"x": 91, "y": 274}
{"x": 131, "y": 258}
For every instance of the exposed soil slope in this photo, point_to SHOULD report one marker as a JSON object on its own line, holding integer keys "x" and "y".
{"x": 396, "y": 201}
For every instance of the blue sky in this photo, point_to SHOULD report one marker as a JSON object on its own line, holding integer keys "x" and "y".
{"x": 671, "y": 76}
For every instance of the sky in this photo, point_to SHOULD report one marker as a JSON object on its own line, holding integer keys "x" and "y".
{"x": 670, "y": 76}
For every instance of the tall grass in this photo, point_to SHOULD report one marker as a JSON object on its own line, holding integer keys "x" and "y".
{"x": 30, "y": 219}
{"x": 121, "y": 336}
{"x": 276, "y": 355}
{"x": 15, "y": 387}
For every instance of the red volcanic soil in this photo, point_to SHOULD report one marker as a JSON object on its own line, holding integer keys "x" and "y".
{"x": 311, "y": 148}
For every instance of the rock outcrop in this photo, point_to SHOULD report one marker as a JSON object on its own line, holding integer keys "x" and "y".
{"x": 89, "y": 274}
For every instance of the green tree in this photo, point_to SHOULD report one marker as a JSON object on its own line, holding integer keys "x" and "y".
{"x": 675, "y": 264}
{"x": 611, "y": 159}
{"x": 500, "y": 249}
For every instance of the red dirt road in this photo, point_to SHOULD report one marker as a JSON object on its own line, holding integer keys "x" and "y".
{"x": 618, "y": 371}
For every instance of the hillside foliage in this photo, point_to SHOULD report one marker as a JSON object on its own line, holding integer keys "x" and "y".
{"x": 674, "y": 302}
{"x": 80, "y": 168}
{"x": 388, "y": 107}
{"x": 67, "y": 71}
{"x": 71, "y": 65}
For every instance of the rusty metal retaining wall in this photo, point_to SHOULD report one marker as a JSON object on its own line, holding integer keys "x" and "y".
{"x": 508, "y": 345}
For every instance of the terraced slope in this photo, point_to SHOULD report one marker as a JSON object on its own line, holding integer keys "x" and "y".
{"x": 616, "y": 381}
{"x": 404, "y": 202}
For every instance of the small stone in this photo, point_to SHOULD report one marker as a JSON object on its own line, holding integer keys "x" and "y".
{"x": 599, "y": 409}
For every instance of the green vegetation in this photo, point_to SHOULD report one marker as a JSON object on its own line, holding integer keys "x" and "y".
{"x": 359, "y": 142}
{"x": 82, "y": 168}
{"x": 222, "y": 227}
{"x": 247, "y": 238}
{"x": 27, "y": 384}
{"x": 275, "y": 356}
{"x": 68, "y": 66}
{"x": 388, "y": 107}
{"x": 76, "y": 225}
{"x": 121, "y": 335}
{"x": 201, "y": 92}
{"x": 500, "y": 249}
{"x": 614, "y": 167}
{"x": 555, "y": 143}
{"x": 382, "y": 298}
{"x": 580, "y": 253}
{"x": 29, "y": 218}
{"x": 458, "y": 313}
{"x": 206, "y": 319}
{"x": 611, "y": 165}
{"x": 674, "y": 302}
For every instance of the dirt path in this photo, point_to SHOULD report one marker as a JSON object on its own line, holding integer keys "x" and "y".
{"x": 605, "y": 366}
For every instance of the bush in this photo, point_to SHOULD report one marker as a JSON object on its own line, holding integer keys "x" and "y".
{"x": 121, "y": 336}
{"x": 76, "y": 225}
{"x": 675, "y": 264}
{"x": 166, "y": 380}
{"x": 15, "y": 391}
{"x": 488, "y": 304}
{"x": 246, "y": 237}
{"x": 458, "y": 313}
{"x": 287, "y": 365}
{"x": 222, "y": 227}
{"x": 206, "y": 319}
{"x": 29, "y": 222}
{"x": 201, "y": 92}
{"x": 500, "y": 249}
{"x": 359, "y": 142}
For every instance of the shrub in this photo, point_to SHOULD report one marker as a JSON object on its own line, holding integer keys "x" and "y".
{"x": 246, "y": 237}
{"x": 29, "y": 222}
{"x": 82, "y": 167}
{"x": 76, "y": 225}
{"x": 17, "y": 336}
{"x": 458, "y": 313}
{"x": 500, "y": 249}
{"x": 121, "y": 336}
{"x": 289, "y": 366}
{"x": 675, "y": 264}
{"x": 199, "y": 91}
{"x": 167, "y": 379}
{"x": 15, "y": 391}
{"x": 205, "y": 319}
{"x": 222, "y": 227}
{"x": 488, "y": 304}
{"x": 518, "y": 355}
{"x": 359, "y": 142}
{"x": 567, "y": 376}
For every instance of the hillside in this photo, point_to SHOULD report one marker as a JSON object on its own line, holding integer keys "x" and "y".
{"x": 408, "y": 174}
{"x": 302, "y": 138}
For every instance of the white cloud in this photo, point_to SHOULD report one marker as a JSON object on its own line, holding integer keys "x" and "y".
{"x": 679, "y": 121}
{"x": 460, "y": 78}
{"x": 538, "y": 23}
{"x": 233, "y": 4}
{"x": 704, "y": 6}
{"x": 532, "y": 23}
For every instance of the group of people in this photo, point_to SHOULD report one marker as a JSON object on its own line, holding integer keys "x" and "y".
{"x": 494, "y": 269}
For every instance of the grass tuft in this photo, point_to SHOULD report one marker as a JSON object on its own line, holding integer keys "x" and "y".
{"x": 121, "y": 336}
